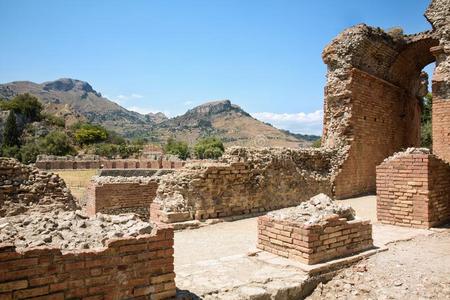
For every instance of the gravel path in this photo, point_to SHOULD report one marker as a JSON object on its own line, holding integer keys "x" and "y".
{"x": 415, "y": 269}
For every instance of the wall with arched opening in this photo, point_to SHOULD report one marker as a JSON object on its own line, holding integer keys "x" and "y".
{"x": 372, "y": 100}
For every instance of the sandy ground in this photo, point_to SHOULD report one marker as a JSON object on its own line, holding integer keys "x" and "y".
{"x": 415, "y": 269}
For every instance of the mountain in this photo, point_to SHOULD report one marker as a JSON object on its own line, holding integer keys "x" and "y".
{"x": 76, "y": 100}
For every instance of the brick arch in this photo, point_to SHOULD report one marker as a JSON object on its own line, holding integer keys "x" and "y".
{"x": 371, "y": 108}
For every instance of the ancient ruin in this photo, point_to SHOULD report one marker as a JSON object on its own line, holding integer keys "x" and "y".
{"x": 118, "y": 242}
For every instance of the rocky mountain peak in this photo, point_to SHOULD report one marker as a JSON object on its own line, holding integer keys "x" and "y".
{"x": 69, "y": 84}
{"x": 214, "y": 107}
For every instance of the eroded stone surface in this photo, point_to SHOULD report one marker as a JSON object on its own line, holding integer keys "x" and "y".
{"x": 314, "y": 211}
{"x": 24, "y": 188}
{"x": 69, "y": 229}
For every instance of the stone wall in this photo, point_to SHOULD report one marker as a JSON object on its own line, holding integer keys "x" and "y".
{"x": 244, "y": 181}
{"x": 115, "y": 195}
{"x": 133, "y": 267}
{"x": 24, "y": 188}
{"x": 413, "y": 189}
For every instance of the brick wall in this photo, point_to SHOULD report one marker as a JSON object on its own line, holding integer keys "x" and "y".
{"x": 383, "y": 121}
{"x": 137, "y": 268}
{"x": 441, "y": 128}
{"x": 413, "y": 190}
{"x": 108, "y": 164}
{"x": 120, "y": 197}
{"x": 312, "y": 244}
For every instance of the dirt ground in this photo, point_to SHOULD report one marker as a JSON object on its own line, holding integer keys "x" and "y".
{"x": 415, "y": 269}
{"x": 76, "y": 180}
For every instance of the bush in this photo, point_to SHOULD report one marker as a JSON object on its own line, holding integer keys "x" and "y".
{"x": 317, "y": 143}
{"x": 209, "y": 148}
{"x": 54, "y": 120}
{"x": 112, "y": 150}
{"x": 11, "y": 151}
{"x": 57, "y": 143}
{"x": 29, "y": 153}
{"x": 24, "y": 104}
{"x": 426, "y": 138}
{"x": 177, "y": 148}
{"x": 89, "y": 134}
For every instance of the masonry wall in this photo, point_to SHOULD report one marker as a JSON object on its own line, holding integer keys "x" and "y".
{"x": 248, "y": 181}
{"x": 312, "y": 244}
{"x": 383, "y": 121}
{"x": 441, "y": 128}
{"x": 413, "y": 190}
{"x": 120, "y": 197}
{"x": 128, "y": 268}
{"x": 108, "y": 164}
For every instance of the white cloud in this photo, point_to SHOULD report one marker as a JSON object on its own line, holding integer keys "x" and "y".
{"x": 141, "y": 110}
{"x": 306, "y": 123}
{"x": 122, "y": 99}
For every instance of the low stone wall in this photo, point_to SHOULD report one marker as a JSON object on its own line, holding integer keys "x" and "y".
{"x": 115, "y": 195}
{"x": 413, "y": 189}
{"x": 244, "y": 181}
{"x": 312, "y": 244}
{"x": 133, "y": 267}
{"x": 24, "y": 188}
{"x": 108, "y": 164}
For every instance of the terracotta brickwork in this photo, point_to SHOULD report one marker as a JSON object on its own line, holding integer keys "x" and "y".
{"x": 441, "y": 128}
{"x": 391, "y": 123}
{"x": 120, "y": 197}
{"x": 413, "y": 189}
{"x": 127, "y": 268}
{"x": 246, "y": 182}
{"x": 312, "y": 244}
{"x": 108, "y": 164}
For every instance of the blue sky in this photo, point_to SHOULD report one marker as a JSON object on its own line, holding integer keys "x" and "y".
{"x": 171, "y": 55}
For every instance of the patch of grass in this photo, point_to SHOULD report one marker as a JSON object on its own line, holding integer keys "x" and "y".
{"x": 76, "y": 180}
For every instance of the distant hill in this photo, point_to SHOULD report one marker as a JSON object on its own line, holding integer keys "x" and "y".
{"x": 76, "y": 100}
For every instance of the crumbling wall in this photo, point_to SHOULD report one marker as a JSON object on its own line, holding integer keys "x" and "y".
{"x": 372, "y": 100}
{"x": 24, "y": 188}
{"x": 115, "y": 195}
{"x": 244, "y": 181}
{"x": 129, "y": 267}
{"x": 413, "y": 189}
{"x": 438, "y": 14}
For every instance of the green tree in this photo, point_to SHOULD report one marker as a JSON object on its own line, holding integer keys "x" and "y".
{"x": 178, "y": 148}
{"x": 89, "y": 134}
{"x": 209, "y": 148}
{"x": 29, "y": 152}
{"x": 57, "y": 143}
{"x": 24, "y": 104}
{"x": 426, "y": 128}
{"x": 11, "y": 133}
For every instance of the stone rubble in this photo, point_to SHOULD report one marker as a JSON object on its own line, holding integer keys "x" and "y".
{"x": 69, "y": 230}
{"x": 25, "y": 188}
{"x": 314, "y": 211}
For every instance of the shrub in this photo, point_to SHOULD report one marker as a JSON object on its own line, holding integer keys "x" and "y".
{"x": 29, "y": 152}
{"x": 89, "y": 134}
{"x": 209, "y": 148}
{"x": 317, "y": 143}
{"x": 53, "y": 120}
{"x": 57, "y": 143}
{"x": 24, "y": 104}
{"x": 177, "y": 148}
